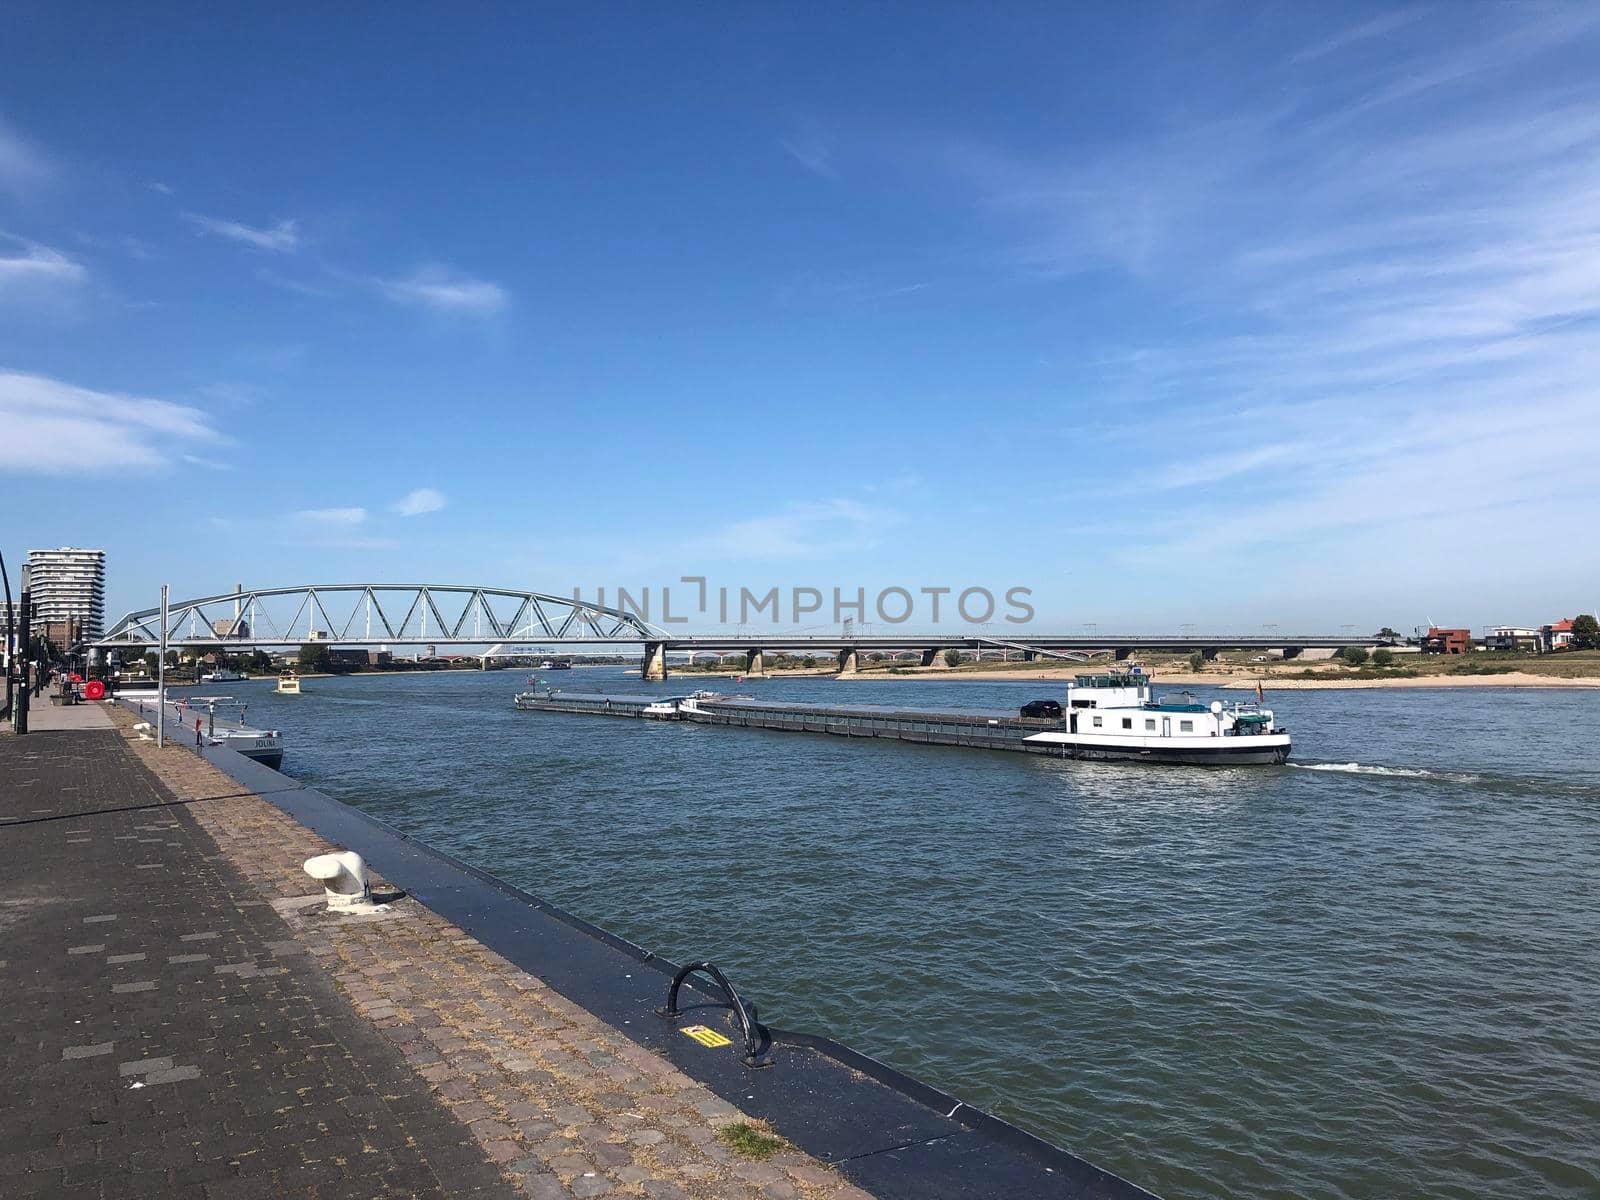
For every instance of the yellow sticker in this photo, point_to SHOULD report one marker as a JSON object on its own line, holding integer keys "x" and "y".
{"x": 706, "y": 1037}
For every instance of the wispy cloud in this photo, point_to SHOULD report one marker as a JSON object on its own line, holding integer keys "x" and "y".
{"x": 808, "y": 529}
{"x": 298, "y": 286}
{"x": 1377, "y": 27}
{"x": 23, "y": 167}
{"x": 124, "y": 243}
{"x": 52, "y": 427}
{"x": 422, "y": 500}
{"x": 25, "y": 265}
{"x": 159, "y": 188}
{"x": 813, "y": 154}
{"x": 281, "y": 238}
{"x": 332, "y": 516}
{"x": 443, "y": 290}
{"x": 1388, "y": 287}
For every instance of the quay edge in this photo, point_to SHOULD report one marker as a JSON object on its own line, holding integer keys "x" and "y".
{"x": 885, "y": 1131}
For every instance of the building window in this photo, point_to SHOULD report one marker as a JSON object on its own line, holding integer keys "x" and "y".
{"x": 1150, "y": 724}
{"x": 1127, "y": 722}
{"x": 1097, "y": 722}
{"x": 1185, "y": 726}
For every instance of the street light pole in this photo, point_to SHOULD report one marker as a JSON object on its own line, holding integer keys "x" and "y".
{"x": 161, "y": 677}
{"x": 19, "y": 715}
{"x": 7, "y": 656}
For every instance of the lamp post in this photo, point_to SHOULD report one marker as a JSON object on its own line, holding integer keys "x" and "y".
{"x": 19, "y": 714}
{"x": 161, "y": 676}
{"x": 6, "y": 654}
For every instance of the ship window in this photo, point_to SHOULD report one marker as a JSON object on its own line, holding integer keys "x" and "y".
{"x": 1127, "y": 722}
{"x": 1185, "y": 726}
{"x": 1097, "y": 722}
{"x": 1150, "y": 723}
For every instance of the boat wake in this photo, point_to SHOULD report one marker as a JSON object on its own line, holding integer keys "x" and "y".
{"x": 1351, "y": 768}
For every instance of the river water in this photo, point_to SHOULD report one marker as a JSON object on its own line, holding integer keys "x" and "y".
{"x": 1372, "y": 972}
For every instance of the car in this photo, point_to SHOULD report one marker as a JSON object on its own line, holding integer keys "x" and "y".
{"x": 1049, "y": 709}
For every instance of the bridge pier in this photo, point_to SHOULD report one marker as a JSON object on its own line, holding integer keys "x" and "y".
{"x": 755, "y": 662}
{"x": 849, "y": 661}
{"x": 1030, "y": 656}
{"x": 655, "y": 662}
{"x": 1122, "y": 653}
{"x": 1291, "y": 651}
{"x": 933, "y": 658}
{"x": 1210, "y": 653}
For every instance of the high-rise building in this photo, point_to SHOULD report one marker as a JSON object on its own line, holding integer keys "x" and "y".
{"x": 69, "y": 584}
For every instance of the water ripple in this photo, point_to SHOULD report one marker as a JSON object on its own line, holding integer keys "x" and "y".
{"x": 1372, "y": 972}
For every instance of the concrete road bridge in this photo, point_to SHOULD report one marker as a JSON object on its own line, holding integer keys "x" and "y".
{"x": 502, "y": 622}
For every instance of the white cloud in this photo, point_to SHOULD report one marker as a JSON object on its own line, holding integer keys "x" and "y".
{"x": 283, "y": 238}
{"x": 444, "y": 290}
{"x": 423, "y": 500}
{"x": 809, "y": 529}
{"x": 812, "y": 154}
{"x": 26, "y": 265}
{"x": 158, "y": 187}
{"x": 23, "y": 168}
{"x": 332, "y": 516}
{"x": 51, "y": 427}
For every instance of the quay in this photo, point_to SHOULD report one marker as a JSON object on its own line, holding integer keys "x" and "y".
{"x": 974, "y": 730}
{"x": 188, "y": 1019}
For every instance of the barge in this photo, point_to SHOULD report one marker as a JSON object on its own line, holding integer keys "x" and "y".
{"x": 1108, "y": 717}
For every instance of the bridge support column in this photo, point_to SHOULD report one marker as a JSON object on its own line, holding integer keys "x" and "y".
{"x": 655, "y": 661}
{"x": 1210, "y": 653}
{"x": 1291, "y": 651}
{"x": 1030, "y": 656}
{"x": 849, "y": 661}
{"x": 933, "y": 658}
{"x": 1122, "y": 652}
{"x": 755, "y": 662}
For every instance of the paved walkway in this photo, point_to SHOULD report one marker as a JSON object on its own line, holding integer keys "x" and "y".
{"x": 185, "y": 1019}
{"x": 161, "y": 1039}
{"x": 44, "y": 717}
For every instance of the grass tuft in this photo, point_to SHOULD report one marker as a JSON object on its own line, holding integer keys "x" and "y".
{"x": 752, "y": 1141}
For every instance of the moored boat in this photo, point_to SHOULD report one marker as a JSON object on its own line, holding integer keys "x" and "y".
{"x": 265, "y": 746}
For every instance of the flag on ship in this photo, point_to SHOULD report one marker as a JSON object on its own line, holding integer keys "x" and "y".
{"x": 1261, "y": 697}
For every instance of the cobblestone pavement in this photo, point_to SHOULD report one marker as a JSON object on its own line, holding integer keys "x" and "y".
{"x": 566, "y": 1104}
{"x": 161, "y": 1037}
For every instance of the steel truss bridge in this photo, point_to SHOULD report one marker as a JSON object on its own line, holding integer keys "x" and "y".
{"x": 454, "y": 616}
{"x": 361, "y": 614}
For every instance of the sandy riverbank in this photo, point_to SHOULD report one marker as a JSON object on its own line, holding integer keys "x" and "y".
{"x": 1513, "y": 679}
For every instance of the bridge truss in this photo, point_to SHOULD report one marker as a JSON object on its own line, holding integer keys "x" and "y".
{"x": 379, "y": 614}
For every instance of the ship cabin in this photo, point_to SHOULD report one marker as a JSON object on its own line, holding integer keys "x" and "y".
{"x": 1113, "y": 689}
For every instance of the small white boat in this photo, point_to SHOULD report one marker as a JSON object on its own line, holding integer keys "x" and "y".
{"x": 265, "y": 746}
{"x": 288, "y": 684}
{"x": 1113, "y": 716}
{"x": 662, "y": 710}
{"x": 223, "y": 675}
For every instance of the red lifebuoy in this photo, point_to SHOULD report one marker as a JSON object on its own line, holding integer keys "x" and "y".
{"x": 94, "y": 690}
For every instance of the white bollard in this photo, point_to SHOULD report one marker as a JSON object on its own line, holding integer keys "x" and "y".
{"x": 343, "y": 877}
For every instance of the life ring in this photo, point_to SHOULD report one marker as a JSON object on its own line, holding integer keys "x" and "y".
{"x": 94, "y": 690}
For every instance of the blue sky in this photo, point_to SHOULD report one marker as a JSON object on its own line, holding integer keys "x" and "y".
{"x": 1222, "y": 314}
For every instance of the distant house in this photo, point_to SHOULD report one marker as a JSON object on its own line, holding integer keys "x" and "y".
{"x": 231, "y": 627}
{"x": 1447, "y": 641}
{"x": 1511, "y": 637}
{"x": 1557, "y": 635}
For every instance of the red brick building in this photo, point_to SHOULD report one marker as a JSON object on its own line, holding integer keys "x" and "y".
{"x": 1447, "y": 641}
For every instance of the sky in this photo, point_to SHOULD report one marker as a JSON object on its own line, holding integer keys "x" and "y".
{"x": 1222, "y": 315}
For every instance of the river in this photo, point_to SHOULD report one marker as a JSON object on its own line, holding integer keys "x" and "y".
{"x": 1371, "y": 972}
